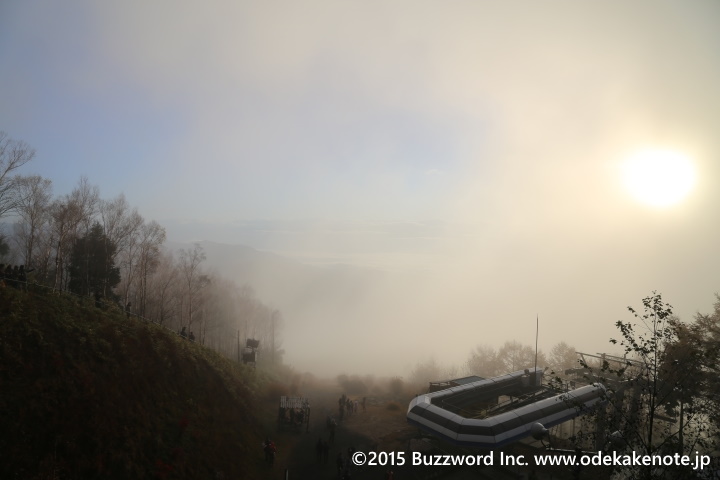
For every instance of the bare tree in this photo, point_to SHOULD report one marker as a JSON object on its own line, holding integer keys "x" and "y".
{"x": 120, "y": 221}
{"x": 162, "y": 305}
{"x": 483, "y": 361}
{"x": 430, "y": 371}
{"x": 69, "y": 213}
{"x": 43, "y": 250}
{"x": 122, "y": 225}
{"x": 33, "y": 208}
{"x": 87, "y": 198}
{"x": 563, "y": 357}
{"x": 66, "y": 216}
{"x": 13, "y": 155}
{"x": 193, "y": 278}
{"x": 514, "y": 356}
{"x": 216, "y": 324}
{"x": 152, "y": 236}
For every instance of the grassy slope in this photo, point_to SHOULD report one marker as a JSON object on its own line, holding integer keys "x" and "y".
{"x": 86, "y": 393}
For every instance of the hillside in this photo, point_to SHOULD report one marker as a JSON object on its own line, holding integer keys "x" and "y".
{"x": 89, "y": 393}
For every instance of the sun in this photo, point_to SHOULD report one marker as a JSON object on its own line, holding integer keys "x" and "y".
{"x": 660, "y": 178}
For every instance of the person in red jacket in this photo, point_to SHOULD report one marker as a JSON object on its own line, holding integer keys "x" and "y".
{"x": 270, "y": 451}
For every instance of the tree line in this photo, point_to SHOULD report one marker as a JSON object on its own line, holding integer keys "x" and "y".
{"x": 487, "y": 361}
{"x": 105, "y": 249}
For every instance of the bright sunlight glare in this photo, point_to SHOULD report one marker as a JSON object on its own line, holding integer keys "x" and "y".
{"x": 660, "y": 178}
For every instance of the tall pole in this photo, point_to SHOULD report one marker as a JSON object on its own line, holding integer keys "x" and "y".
{"x": 537, "y": 332}
{"x": 272, "y": 325}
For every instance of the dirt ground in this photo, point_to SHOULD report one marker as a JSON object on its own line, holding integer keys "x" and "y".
{"x": 381, "y": 428}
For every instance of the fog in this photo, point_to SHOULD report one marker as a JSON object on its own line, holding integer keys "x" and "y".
{"x": 345, "y": 313}
{"x": 441, "y": 175}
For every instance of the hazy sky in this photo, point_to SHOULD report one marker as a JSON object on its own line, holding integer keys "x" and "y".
{"x": 475, "y": 146}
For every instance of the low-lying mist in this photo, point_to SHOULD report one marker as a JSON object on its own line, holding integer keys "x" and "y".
{"x": 385, "y": 313}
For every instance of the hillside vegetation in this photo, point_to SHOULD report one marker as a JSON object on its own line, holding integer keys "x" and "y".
{"x": 88, "y": 393}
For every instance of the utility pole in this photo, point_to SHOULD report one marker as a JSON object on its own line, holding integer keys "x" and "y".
{"x": 272, "y": 333}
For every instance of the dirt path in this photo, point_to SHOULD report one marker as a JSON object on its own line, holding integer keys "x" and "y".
{"x": 379, "y": 428}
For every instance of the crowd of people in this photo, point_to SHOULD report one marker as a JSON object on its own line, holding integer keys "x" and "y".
{"x": 325, "y": 447}
{"x": 345, "y": 404}
{"x": 13, "y": 275}
{"x": 291, "y": 416}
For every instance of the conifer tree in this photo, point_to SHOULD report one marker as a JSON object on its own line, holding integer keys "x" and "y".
{"x": 92, "y": 269}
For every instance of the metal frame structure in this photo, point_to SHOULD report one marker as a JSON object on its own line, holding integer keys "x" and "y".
{"x": 441, "y": 413}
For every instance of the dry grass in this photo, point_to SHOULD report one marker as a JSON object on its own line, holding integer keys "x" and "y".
{"x": 92, "y": 394}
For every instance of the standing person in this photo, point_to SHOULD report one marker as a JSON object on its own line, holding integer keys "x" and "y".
{"x": 22, "y": 278}
{"x": 340, "y": 462}
{"x": 319, "y": 450}
{"x": 325, "y": 452}
{"x": 363, "y": 403}
{"x": 10, "y": 276}
{"x": 270, "y": 451}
